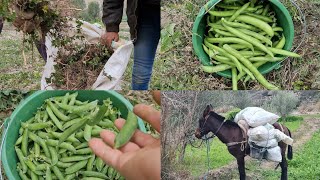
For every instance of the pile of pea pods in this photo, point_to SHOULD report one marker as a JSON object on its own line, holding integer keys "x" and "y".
{"x": 242, "y": 36}
{"x": 54, "y": 143}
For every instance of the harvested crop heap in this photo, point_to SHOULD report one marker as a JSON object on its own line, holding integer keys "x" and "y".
{"x": 78, "y": 62}
{"x": 242, "y": 36}
{"x": 54, "y": 143}
{"x": 79, "y": 66}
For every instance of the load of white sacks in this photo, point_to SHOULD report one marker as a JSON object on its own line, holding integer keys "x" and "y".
{"x": 261, "y": 131}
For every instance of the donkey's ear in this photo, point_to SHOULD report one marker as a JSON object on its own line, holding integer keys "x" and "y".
{"x": 207, "y": 110}
{"x": 211, "y": 107}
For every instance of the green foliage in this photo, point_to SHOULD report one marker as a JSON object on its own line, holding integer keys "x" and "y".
{"x": 92, "y": 14}
{"x": 10, "y": 99}
{"x": 81, "y": 4}
{"x": 241, "y": 99}
{"x": 285, "y": 102}
{"x": 4, "y": 10}
{"x": 169, "y": 38}
{"x": 290, "y": 119}
{"x": 230, "y": 115}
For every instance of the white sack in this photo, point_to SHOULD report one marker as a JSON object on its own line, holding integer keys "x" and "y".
{"x": 261, "y": 133}
{"x": 280, "y": 136}
{"x": 256, "y": 116}
{"x": 268, "y": 143}
{"x": 113, "y": 70}
{"x": 274, "y": 154}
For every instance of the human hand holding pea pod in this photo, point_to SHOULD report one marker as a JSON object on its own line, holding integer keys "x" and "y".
{"x": 139, "y": 158}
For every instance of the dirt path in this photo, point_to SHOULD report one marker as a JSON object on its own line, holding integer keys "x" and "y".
{"x": 300, "y": 136}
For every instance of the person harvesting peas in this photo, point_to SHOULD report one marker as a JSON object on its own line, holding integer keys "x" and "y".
{"x": 144, "y": 22}
{"x": 139, "y": 158}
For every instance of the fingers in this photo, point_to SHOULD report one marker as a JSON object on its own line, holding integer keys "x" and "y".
{"x": 108, "y": 137}
{"x": 140, "y": 138}
{"x": 148, "y": 114}
{"x": 106, "y": 153}
{"x": 157, "y": 96}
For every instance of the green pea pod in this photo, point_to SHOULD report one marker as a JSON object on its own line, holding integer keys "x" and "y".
{"x": 87, "y": 132}
{"x": 281, "y": 43}
{"x": 261, "y": 17}
{"x": 217, "y": 68}
{"x": 36, "y": 126}
{"x": 93, "y": 174}
{"x": 249, "y": 65}
{"x": 230, "y": 40}
{"x": 222, "y": 13}
{"x": 74, "y": 158}
{"x": 57, "y": 172}
{"x": 250, "y": 39}
{"x": 239, "y": 11}
{"x": 48, "y": 174}
{"x": 54, "y": 118}
{"x": 21, "y": 159}
{"x": 70, "y": 176}
{"x": 284, "y": 52}
{"x": 54, "y": 155}
{"x": 257, "y": 36}
{"x": 41, "y": 142}
{"x": 23, "y": 175}
{"x": 19, "y": 141}
{"x": 90, "y": 163}
{"x": 99, "y": 116}
{"x": 234, "y": 79}
{"x": 266, "y": 59}
{"x": 224, "y": 53}
{"x": 76, "y": 167}
{"x": 63, "y": 164}
{"x": 257, "y": 23}
{"x": 73, "y": 129}
{"x": 127, "y": 130}
{"x": 99, "y": 164}
{"x": 24, "y": 143}
{"x": 56, "y": 111}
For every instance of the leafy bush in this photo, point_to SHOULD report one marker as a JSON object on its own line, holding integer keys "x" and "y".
{"x": 92, "y": 13}
{"x": 10, "y": 99}
{"x": 230, "y": 115}
{"x": 291, "y": 118}
{"x": 81, "y": 4}
{"x": 284, "y": 102}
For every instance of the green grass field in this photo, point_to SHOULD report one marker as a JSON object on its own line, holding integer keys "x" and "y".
{"x": 15, "y": 74}
{"x": 305, "y": 163}
{"x": 196, "y": 159}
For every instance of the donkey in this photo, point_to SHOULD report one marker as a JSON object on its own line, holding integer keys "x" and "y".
{"x": 231, "y": 134}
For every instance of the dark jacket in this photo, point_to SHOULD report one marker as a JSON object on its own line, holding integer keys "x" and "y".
{"x": 113, "y": 11}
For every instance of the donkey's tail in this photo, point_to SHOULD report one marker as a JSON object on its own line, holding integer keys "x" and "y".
{"x": 290, "y": 153}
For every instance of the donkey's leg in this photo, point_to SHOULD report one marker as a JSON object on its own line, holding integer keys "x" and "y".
{"x": 241, "y": 167}
{"x": 284, "y": 165}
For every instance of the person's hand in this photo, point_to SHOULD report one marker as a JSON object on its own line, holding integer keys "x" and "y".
{"x": 108, "y": 37}
{"x": 139, "y": 158}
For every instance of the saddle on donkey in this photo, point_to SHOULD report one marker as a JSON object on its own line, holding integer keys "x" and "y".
{"x": 258, "y": 128}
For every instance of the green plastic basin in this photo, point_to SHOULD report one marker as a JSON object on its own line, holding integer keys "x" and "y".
{"x": 284, "y": 20}
{"x": 29, "y": 106}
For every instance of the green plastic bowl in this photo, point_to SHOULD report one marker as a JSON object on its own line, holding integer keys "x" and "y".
{"x": 284, "y": 20}
{"x": 29, "y": 106}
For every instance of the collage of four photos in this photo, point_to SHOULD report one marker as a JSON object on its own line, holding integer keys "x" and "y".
{"x": 151, "y": 89}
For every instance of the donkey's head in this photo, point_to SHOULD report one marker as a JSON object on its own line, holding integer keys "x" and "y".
{"x": 202, "y": 128}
